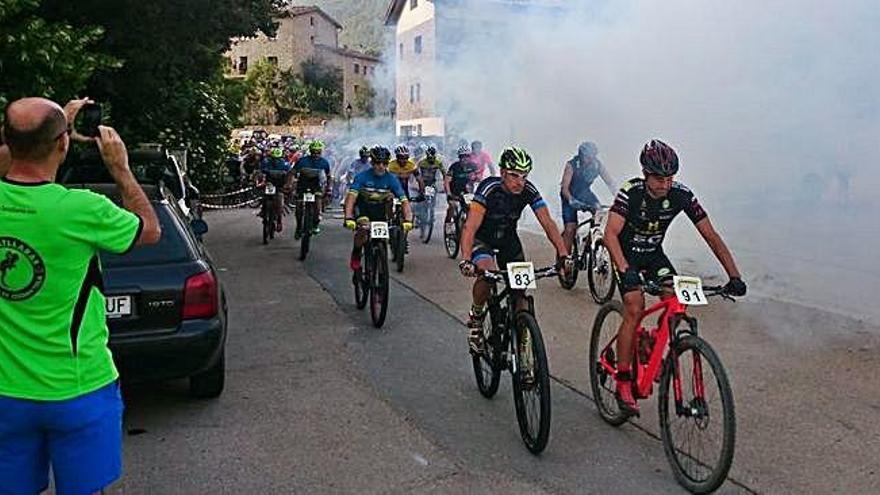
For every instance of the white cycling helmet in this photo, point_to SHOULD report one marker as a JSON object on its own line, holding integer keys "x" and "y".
{"x": 401, "y": 150}
{"x": 464, "y": 149}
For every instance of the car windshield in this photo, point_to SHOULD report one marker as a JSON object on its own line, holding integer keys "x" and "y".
{"x": 171, "y": 246}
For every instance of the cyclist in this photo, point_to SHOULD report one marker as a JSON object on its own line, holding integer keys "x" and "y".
{"x": 491, "y": 224}
{"x": 276, "y": 170}
{"x": 483, "y": 161}
{"x": 577, "y": 179}
{"x": 637, "y": 223}
{"x": 460, "y": 178}
{"x": 369, "y": 199}
{"x": 404, "y": 168}
{"x": 308, "y": 172}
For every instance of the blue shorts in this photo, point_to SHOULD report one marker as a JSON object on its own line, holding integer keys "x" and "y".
{"x": 569, "y": 214}
{"x": 81, "y": 438}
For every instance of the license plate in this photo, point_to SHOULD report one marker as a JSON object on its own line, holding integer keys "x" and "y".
{"x": 689, "y": 290}
{"x": 379, "y": 230}
{"x": 521, "y": 275}
{"x": 117, "y": 306}
{"x": 270, "y": 188}
{"x": 308, "y": 198}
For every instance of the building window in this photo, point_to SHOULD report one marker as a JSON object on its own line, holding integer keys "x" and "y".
{"x": 417, "y": 47}
{"x": 412, "y": 93}
{"x": 272, "y": 60}
{"x": 242, "y": 65}
{"x": 357, "y": 69}
{"x": 312, "y": 20}
{"x": 418, "y": 91}
{"x": 413, "y": 4}
{"x": 401, "y": 50}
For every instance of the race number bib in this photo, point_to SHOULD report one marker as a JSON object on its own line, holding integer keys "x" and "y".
{"x": 521, "y": 275}
{"x": 468, "y": 197}
{"x": 689, "y": 290}
{"x": 308, "y": 198}
{"x": 379, "y": 230}
{"x": 270, "y": 188}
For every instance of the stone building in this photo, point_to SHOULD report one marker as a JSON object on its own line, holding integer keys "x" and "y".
{"x": 304, "y": 32}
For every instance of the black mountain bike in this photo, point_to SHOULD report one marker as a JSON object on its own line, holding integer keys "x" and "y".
{"x": 452, "y": 230}
{"x": 268, "y": 211}
{"x": 591, "y": 254}
{"x": 512, "y": 341}
{"x": 308, "y": 203}
{"x": 371, "y": 281}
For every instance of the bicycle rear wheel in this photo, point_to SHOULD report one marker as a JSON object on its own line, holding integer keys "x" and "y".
{"x": 699, "y": 433}
{"x": 378, "y": 284}
{"x": 361, "y": 288}
{"x": 427, "y": 226}
{"x": 531, "y": 384}
{"x": 487, "y": 366}
{"x": 600, "y": 274}
{"x": 602, "y": 345}
{"x": 304, "y": 242}
{"x": 451, "y": 237}
{"x": 401, "y": 250}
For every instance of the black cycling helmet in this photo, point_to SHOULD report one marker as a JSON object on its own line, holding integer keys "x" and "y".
{"x": 659, "y": 158}
{"x": 431, "y": 151}
{"x": 364, "y": 152}
{"x": 380, "y": 154}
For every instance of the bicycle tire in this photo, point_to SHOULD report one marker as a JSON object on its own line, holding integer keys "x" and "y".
{"x": 306, "y": 238}
{"x": 569, "y": 282}
{"x": 487, "y": 366}
{"x": 427, "y": 227}
{"x": 361, "y": 289}
{"x": 401, "y": 251}
{"x": 450, "y": 239}
{"x": 535, "y": 441}
{"x": 677, "y": 458}
{"x": 601, "y": 382}
{"x": 600, "y": 297}
{"x": 379, "y": 285}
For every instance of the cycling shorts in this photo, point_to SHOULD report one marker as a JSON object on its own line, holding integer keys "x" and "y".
{"x": 569, "y": 214}
{"x": 654, "y": 267}
{"x": 81, "y": 438}
{"x": 507, "y": 252}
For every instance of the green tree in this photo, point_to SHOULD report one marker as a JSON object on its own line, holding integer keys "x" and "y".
{"x": 364, "y": 100}
{"x": 324, "y": 85}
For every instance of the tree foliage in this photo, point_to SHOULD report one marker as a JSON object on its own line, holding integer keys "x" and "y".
{"x": 275, "y": 95}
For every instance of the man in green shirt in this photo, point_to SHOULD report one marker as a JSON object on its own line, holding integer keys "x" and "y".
{"x": 59, "y": 401}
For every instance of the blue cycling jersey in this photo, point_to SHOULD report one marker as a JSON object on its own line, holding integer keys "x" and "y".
{"x": 376, "y": 188}
{"x": 582, "y": 178}
{"x": 312, "y": 166}
{"x": 275, "y": 165}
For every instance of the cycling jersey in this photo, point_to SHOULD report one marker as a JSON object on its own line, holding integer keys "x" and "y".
{"x": 503, "y": 210}
{"x": 309, "y": 169}
{"x": 275, "y": 170}
{"x": 404, "y": 172}
{"x": 374, "y": 192}
{"x": 428, "y": 170}
{"x": 53, "y": 328}
{"x": 357, "y": 166}
{"x": 482, "y": 161}
{"x": 582, "y": 177}
{"x": 647, "y": 218}
{"x": 461, "y": 175}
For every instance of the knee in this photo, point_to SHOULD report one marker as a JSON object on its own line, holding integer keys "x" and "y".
{"x": 633, "y": 305}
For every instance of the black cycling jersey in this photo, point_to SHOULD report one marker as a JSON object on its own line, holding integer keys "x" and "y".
{"x": 647, "y": 218}
{"x": 461, "y": 174}
{"x": 503, "y": 210}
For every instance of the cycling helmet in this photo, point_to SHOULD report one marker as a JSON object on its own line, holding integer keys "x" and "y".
{"x": 515, "y": 159}
{"x": 401, "y": 150}
{"x": 477, "y": 145}
{"x": 380, "y": 154}
{"x": 464, "y": 149}
{"x": 277, "y": 152}
{"x": 431, "y": 152}
{"x": 659, "y": 158}
{"x": 364, "y": 151}
{"x": 588, "y": 149}
{"x": 316, "y": 145}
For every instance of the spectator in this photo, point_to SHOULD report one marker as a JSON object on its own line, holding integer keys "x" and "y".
{"x": 59, "y": 395}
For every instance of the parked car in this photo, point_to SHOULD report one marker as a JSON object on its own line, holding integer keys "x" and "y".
{"x": 166, "y": 307}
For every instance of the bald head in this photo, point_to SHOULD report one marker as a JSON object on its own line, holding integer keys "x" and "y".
{"x": 31, "y": 128}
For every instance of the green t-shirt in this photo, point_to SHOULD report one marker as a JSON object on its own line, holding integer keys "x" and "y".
{"x": 53, "y": 328}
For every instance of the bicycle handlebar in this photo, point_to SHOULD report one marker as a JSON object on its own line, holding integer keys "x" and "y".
{"x": 501, "y": 275}
{"x": 655, "y": 289}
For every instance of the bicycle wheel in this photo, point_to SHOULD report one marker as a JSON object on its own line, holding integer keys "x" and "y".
{"x": 451, "y": 237}
{"x": 602, "y": 344}
{"x": 487, "y": 366}
{"x": 361, "y": 289}
{"x": 570, "y": 281}
{"x": 600, "y": 274}
{"x": 699, "y": 433}
{"x": 392, "y": 240}
{"x": 401, "y": 250}
{"x": 304, "y": 242}
{"x": 531, "y": 384}
{"x": 378, "y": 284}
{"x": 427, "y": 226}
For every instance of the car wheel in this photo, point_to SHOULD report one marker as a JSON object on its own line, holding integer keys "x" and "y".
{"x": 209, "y": 383}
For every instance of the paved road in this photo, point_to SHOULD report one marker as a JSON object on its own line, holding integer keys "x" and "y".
{"x": 319, "y": 401}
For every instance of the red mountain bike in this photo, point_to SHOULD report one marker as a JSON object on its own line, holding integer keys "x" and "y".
{"x": 698, "y": 426}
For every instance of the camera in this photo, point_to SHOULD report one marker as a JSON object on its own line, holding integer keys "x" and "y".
{"x": 89, "y": 120}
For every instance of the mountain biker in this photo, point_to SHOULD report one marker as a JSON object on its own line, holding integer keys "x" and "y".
{"x": 491, "y": 224}
{"x": 577, "y": 179}
{"x": 276, "y": 170}
{"x": 637, "y": 223}
{"x": 429, "y": 166}
{"x": 460, "y": 178}
{"x": 308, "y": 172}
{"x": 369, "y": 200}
{"x": 404, "y": 168}
{"x": 482, "y": 160}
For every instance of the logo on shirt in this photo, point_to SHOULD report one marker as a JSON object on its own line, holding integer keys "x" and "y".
{"x": 22, "y": 271}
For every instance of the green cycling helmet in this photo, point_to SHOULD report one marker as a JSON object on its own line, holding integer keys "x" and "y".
{"x": 514, "y": 158}
{"x": 316, "y": 145}
{"x": 276, "y": 153}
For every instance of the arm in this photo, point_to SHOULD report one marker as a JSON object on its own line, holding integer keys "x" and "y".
{"x": 446, "y": 181}
{"x": 115, "y": 158}
{"x": 476, "y": 212}
{"x": 566, "y": 182}
{"x": 350, "y": 198}
{"x": 608, "y": 179}
{"x": 552, "y": 231}
{"x": 713, "y": 239}
{"x": 616, "y": 221}
{"x": 407, "y": 211}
